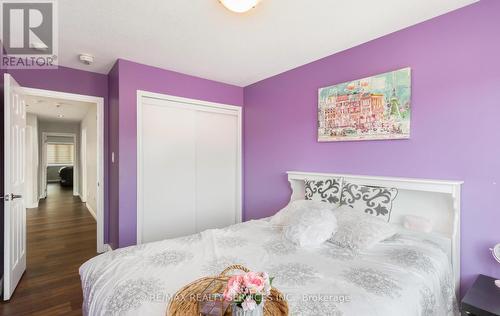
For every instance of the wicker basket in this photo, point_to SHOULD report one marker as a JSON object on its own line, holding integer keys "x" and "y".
{"x": 185, "y": 302}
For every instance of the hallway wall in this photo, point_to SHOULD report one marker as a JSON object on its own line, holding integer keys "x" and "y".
{"x": 32, "y": 161}
{"x": 89, "y": 123}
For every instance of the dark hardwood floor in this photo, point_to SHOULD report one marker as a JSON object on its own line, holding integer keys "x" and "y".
{"x": 61, "y": 236}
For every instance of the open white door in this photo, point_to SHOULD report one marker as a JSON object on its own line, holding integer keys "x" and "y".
{"x": 14, "y": 208}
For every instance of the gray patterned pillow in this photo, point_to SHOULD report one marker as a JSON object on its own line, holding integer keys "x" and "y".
{"x": 357, "y": 231}
{"x": 376, "y": 201}
{"x": 328, "y": 190}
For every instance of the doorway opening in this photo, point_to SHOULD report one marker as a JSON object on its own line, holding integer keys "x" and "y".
{"x": 59, "y": 151}
{"x": 69, "y": 129}
{"x": 54, "y": 184}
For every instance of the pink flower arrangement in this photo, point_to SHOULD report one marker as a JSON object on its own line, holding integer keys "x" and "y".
{"x": 248, "y": 290}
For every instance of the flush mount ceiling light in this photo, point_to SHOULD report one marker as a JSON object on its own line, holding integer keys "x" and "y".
{"x": 239, "y": 6}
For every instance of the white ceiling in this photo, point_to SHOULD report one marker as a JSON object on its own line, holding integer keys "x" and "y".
{"x": 202, "y": 38}
{"x": 48, "y": 109}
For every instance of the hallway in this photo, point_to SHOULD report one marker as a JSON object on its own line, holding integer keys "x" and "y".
{"x": 61, "y": 235}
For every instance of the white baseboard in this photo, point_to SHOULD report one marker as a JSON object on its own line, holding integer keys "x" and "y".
{"x": 81, "y": 198}
{"x": 32, "y": 205}
{"x": 91, "y": 211}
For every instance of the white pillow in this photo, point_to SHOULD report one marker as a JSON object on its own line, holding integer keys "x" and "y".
{"x": 417, "y": 223}
{"x": 295, "y": 208}
{"x": 311, "y": 228}
{"x": 357, "y": 231}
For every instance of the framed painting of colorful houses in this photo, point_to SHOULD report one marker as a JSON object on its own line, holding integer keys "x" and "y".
{"x": 372, "y": 108}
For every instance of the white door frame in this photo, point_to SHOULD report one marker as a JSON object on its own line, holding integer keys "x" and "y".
{"x": 83, "y": 164}
{"x": 101, "y": 247}
{"x": 198, "y": 104}
{"x": 76, "y": 168}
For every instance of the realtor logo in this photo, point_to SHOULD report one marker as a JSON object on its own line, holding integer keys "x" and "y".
{"x": 28, "y": 34}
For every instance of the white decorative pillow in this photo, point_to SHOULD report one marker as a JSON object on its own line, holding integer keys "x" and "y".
{"x": 358, "y": 231}
{"x": 328, "y": 190}
{"x": 294, "y": 209}
{"x": 376, "y": 201}
{"x": 417, "y": 223}
{"x": 311, "y": 228}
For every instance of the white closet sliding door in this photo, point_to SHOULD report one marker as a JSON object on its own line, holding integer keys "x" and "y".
{"x": 216, "y": 169}
{"x": 168, "y": 157}
{"x": 189, "y": 166}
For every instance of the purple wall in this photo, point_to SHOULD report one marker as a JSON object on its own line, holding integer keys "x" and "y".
{"x": 132, "y": 77}
{"x": 114, "y": 137}
{"x": 72, "y": 81}
{"x": 455, "y": 60}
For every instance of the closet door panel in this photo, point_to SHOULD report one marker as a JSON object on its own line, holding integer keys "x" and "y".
{"x": 169, "y": 174}
{"x": 216, "y": 169}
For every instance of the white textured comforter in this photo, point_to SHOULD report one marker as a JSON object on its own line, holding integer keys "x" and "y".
{"x": 408, "y": 274}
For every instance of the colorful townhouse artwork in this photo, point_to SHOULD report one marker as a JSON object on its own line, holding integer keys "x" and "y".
{"x": 372, "y": 108}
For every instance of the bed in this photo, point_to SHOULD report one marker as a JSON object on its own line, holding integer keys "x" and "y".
{"x": 411, "y": 273}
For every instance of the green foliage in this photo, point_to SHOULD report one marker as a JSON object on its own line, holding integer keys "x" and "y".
{"x": 257, "y": 298}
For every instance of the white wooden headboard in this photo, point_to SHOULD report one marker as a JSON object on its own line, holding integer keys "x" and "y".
{"x": 436, "y": 200}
